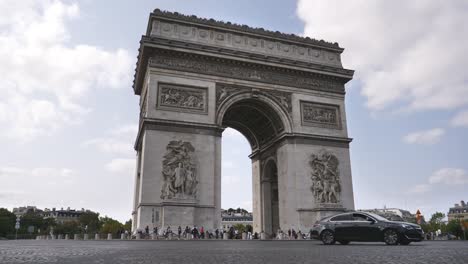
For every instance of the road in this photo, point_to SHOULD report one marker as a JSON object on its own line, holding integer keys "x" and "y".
{"x": 70, "y": 251}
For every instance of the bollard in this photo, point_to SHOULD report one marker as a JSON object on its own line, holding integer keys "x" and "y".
{"x": 67, "y": 236}
{"x": 59, "y": 236}
{"x": 38, "y": 238}
{"x": 76, "y": 237}
{"x": 109, "y": 236}
{"x": 262, "y": 236}
{"x": 137, "y": 236}
{"x": 154, "y": 236}
{"x": 122, "y": 236}
{"x": 85, "y": 237}
{"x": 225, "y": 236}
{"x": 96, "y": 237}
{"x": 244, "y": 236}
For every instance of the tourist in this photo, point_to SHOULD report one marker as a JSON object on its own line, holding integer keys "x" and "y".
{"x": 289, "y": 233}
{"x": 179, "y": 231}
{"x": 202, "y": 233}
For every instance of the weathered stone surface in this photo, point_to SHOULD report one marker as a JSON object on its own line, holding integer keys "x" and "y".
{"x": 194, "y": 80}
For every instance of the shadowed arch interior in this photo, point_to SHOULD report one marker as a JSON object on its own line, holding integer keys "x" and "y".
{"x": 257, "y": 121}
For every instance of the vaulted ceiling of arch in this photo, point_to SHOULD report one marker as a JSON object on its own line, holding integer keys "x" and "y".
{"x": 255, "y": 120}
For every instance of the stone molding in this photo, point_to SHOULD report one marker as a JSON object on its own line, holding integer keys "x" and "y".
{"x": 226, "y": 91}
{"x": 182, "y": 98}
{"x": 320, "y": 115}
{"x": 157, "y": 13}
{"x": 176, "y": 126}
{"x": 261, "y": 44}
{"x": 247, "y": 71}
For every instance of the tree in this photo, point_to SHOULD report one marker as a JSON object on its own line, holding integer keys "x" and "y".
{"x": 240, "y": 227}
{"x": 128, "y": 225}
{"x": 91, "y": 220}
{"x": 35, "y": 219}
{"x": 70, "y": 227}
{"x": 110, "y": 225}
{"x": 454, "y": 228}
{"x": 7, "y": 222}
{"x": 436, "y": 222}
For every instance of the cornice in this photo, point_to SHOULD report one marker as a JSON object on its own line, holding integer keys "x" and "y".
{"x": 157, "y": 13}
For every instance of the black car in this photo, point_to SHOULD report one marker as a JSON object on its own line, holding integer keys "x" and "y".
{"x": 365, "y": 227}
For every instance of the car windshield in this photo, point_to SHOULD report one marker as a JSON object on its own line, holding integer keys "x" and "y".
{"x": 378, "y": 217}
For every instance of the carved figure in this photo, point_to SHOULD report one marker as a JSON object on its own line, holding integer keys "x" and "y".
{"x": 182, "y": 97}
{"x": 325, "y": 177}
{"x": 179, "y": 179}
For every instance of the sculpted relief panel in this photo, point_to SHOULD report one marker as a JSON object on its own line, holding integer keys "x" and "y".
{"x": 179, "y": 172}
{"x": 325, "y": 177}
{"x": 185, "y": 98}
{"x": 322, "y": 115}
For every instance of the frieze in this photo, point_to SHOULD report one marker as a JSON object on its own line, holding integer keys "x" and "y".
{"x": 322, "y": 115}
{"x": 181, "y": 97}
{"x": 244, "y": 28}
{"x": 247, "y": 71}
{"x": 235, "y": 40}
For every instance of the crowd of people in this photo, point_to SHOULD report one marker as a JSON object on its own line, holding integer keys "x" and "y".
{"x": 201, "y": 233}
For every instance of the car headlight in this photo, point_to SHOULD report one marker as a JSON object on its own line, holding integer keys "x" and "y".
{"x": 407, "y": 226}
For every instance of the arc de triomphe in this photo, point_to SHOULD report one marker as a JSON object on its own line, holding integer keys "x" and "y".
{"x": 284, "y": 93}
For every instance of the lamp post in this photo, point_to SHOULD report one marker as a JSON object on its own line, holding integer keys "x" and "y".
{"x": 17, "y": 226}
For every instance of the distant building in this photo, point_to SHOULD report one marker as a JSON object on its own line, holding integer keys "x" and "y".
{"x": 20, "y": 211}
{"x": 229, "y": 219}
{"x": 395, "y": 214}
{"x": 458, "y": 212}
{"x": 61, "y": 216}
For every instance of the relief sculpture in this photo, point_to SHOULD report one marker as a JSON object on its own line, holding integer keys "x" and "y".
{"x": 179, "y": 172}
{"x": 182, "y": 97}
{"x": 320, "y": 114}
{"x": 325, "y": 177}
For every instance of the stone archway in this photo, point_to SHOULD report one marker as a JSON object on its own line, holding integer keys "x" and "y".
{"x": 259, "y": 120}
{"x": 285, "y": 93}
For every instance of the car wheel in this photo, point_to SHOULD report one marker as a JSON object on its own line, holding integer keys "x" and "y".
{"x": 344, "y": 242}
{"x": 328, "y": 238}
{"x": 391, "y": 237}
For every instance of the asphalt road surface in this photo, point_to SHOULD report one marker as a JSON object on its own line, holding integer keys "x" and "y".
{"x": 220, "y": 251}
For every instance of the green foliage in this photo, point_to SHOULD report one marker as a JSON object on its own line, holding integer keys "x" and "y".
{"x": 7, "y": 222}
{"x": 128, "y": 225}
{"x": 240, "y": 227}
{"x": 35, "y": 219}
{"x": 91, "y": 220}
{"x": 435, "y": 223}
{"x": 71, "y": 227}
{"x": 454, "y": 228}
{"x": 109, "y": 225}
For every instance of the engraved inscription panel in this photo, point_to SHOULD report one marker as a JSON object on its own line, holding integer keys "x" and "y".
{"x": 182, "y": 98}
{"x": 322, "y": 115}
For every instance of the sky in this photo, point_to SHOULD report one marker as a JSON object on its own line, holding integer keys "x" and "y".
{"x": 68, "y": 115}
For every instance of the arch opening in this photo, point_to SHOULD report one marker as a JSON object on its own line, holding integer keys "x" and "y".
{"x": 255, "y": 119}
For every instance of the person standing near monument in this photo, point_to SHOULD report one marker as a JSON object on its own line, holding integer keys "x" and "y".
{"x": 179, "y": 231}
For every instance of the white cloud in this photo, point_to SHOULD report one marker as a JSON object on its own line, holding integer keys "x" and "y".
{"x": 408, "y": 55}
{"x": 449, "y": 176}
{"x": 420, "y": 188}
{"x": 118, "y": 141}
{"x": 125, "y": 166}
{"x": 460, "y": 119}
{"x": 444, "y": 176}
{"x": 44, "y": 77}
{"x": 426, "y": 137}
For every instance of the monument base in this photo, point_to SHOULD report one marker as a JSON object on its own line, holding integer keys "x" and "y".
{"x": 178, "y": 212}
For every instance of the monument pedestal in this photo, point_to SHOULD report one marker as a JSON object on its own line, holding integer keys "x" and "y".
{"x": 178, "y": 212}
